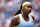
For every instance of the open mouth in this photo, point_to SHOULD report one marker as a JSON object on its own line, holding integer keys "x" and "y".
{"x": 29, "y": 11}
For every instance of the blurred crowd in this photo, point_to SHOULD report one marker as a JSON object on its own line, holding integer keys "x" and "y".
{"x": 8, "y": 8}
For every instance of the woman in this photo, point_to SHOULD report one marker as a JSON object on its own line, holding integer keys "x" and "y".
{"x": 23, "y": 19}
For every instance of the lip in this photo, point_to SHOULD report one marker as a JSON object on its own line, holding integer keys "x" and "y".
{"x": 29, "y": 11}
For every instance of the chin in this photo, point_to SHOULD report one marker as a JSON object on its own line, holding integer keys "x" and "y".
{"x": 28, "y": 12}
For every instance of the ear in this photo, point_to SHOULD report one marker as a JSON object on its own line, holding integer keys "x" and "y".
{"x": 22, "y": 8}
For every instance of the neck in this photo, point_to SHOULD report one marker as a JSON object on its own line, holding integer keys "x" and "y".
{"x": 25, "y": 15}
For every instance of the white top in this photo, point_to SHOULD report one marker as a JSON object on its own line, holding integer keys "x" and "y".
{"x": 24, "y": 23}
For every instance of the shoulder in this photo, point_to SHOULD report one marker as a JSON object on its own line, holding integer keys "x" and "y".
{"x": 16, "y": 17}
{"x": 32, "y": 17}
{"x": 15, "y": 20}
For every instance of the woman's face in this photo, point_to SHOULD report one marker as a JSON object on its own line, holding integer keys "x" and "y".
{"x": 27, "y": 8}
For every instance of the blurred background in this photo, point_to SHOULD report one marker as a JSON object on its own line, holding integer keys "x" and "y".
{"x": 9, "y": 8}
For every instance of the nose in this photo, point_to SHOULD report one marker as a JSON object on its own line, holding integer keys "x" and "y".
{"x": 29, "y": 8}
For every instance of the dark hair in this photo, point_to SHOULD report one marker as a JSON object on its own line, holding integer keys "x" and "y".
{"x": 21, "y": 7}
{"x": 19, "y": 10}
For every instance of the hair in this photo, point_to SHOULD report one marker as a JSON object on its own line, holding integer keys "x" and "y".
{"x": 21, "y": 6}
{"x": 19, "y": 10}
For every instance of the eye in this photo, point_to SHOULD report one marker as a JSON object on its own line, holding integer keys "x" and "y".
{"x": 28, "y": 6}
{"x": 31, "y": 7}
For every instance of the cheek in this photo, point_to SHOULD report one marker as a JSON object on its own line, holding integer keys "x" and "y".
{"x": 29, "y": 11}
{"x": 26, "y": 9}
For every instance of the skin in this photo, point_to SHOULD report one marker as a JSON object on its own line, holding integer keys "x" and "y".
{"x": 26, "y": 10}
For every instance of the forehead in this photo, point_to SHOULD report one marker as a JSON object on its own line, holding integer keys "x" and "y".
{"x": 28, "y": 5}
